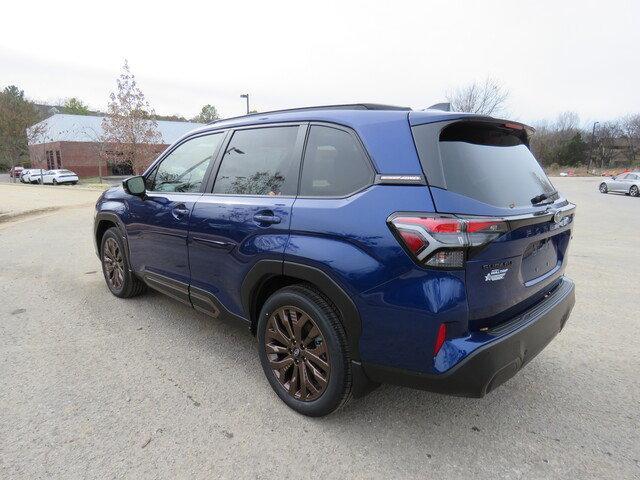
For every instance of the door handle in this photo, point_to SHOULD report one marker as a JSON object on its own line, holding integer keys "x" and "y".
{"x": 266, "y": 218}
{"x": 179, "y": 211}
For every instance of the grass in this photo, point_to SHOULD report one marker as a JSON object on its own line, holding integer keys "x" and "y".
{"x": 93, "y": 182}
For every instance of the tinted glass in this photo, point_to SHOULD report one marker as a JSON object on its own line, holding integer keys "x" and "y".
{"x": 260, "y": 161}
{"x": 334, "y": 164}
{"x": 491, "y": 164}
{"x": 183, "y": 169}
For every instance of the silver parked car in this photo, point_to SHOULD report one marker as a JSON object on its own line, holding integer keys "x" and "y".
{"x": 628, "y": 183}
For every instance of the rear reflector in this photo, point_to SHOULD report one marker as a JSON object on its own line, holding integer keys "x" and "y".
{"x": 440, "y": 338}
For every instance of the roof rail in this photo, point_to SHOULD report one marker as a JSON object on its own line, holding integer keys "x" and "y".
{"x": 347, "y": 106}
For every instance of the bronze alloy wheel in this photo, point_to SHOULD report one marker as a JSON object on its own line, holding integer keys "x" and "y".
{"x": 297, "y": 353}
{"x": 113, "y": 263}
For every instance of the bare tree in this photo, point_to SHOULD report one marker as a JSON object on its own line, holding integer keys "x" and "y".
{"x": 485, "y": 98}
{"x": 630, "y": 128}
{"x": 560, "y": 142}
{"x": 129, "y": 127}
{"x": 38, "y": 137}
{"x": 98, "y": 147}
{"x": 605, "y": 137}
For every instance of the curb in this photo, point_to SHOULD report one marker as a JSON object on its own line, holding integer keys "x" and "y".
{"x": 57, "y": 187}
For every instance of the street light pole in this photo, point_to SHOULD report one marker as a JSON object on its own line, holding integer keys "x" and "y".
{"x": 246, "y": 96}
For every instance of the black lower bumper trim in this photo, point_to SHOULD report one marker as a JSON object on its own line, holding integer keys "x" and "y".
{"x": 495, "y": 363}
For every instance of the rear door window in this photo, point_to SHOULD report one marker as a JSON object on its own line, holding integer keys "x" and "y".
{"x": 334, "y": 164}
{"x": 260, "y": 161}
{"x": 491, "y": 164}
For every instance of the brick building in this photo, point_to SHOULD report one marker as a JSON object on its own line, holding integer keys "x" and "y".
{"x": 72, "y": 142}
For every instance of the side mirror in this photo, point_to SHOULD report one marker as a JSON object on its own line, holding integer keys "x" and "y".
{"x": 134, "y": 185}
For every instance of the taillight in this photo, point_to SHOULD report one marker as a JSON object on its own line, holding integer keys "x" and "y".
{"x": 440, "y": 338}
{"x": 441, "y": 241}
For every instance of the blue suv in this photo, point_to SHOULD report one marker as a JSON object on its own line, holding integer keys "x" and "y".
{"x": 361, "y": 244}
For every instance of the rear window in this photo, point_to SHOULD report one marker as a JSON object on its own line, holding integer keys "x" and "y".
{"x": 491, "y": 164}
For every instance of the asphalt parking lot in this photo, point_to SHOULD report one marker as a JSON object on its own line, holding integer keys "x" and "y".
{"x": 97, "y": 387}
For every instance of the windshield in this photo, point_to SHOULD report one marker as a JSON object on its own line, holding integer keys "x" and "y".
{"x": 493, "y": 165}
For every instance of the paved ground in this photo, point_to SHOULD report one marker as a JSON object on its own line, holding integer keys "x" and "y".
{"x": 19, "y": 199}
{"x": 97, "y": 387}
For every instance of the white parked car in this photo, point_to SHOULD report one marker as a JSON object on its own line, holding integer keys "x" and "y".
{"x": 628, "y": 183}
{"x": 58, "y": 177}
{"x": 24, "y": 175}
{"x": 31, "y": 175}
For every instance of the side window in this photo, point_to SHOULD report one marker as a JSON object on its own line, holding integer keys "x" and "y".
{"x": 183, "y": 169}
{"x": 334, "y": 164}
{"x": 260, "y": 161}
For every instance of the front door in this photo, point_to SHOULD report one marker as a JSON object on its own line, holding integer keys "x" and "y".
{"x": 159, "y": 221}
{"x": 246, "y": 216}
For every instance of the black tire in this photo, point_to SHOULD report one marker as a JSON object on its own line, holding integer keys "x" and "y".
{"x": 55, "y": 182}
{"x": 130, "y": 285}
{"x": 603, "y": 188}
{"x": 74, "y": 183}
{"x": 337, "y": 391}
{"x": 633, "y": 191}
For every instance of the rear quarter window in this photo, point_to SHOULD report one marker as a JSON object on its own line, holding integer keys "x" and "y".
{"x": 334, "y": 164}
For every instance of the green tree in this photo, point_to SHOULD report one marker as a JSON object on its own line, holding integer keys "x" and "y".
{"x": 209, "y": 113}
{"x": 75, "y": 106}
{"x": 16, "y": 115}
{"x": 572, "y": 152}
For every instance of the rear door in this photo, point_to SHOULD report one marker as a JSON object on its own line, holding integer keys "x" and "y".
{"x": 627, "y": 181}
{"x": 485, "y": 169}
{"x": 246, "y": 214}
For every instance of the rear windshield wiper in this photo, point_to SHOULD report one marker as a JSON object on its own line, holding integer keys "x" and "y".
{"x": 543, "y": 196}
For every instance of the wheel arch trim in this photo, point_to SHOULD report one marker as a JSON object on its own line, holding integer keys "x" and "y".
{"x": 265, "y": 270}
{"x": 112, "y": 218}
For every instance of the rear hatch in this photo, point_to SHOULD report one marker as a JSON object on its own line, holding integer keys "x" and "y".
{"x": 482, "y": 170}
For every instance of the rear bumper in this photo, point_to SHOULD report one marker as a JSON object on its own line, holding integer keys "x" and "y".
{"x": 503, "y": 351}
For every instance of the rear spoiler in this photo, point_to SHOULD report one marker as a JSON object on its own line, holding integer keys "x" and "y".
{"x": 414, "y": 119}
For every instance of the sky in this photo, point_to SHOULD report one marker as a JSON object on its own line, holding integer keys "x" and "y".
{"x": 552, "y": 56}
